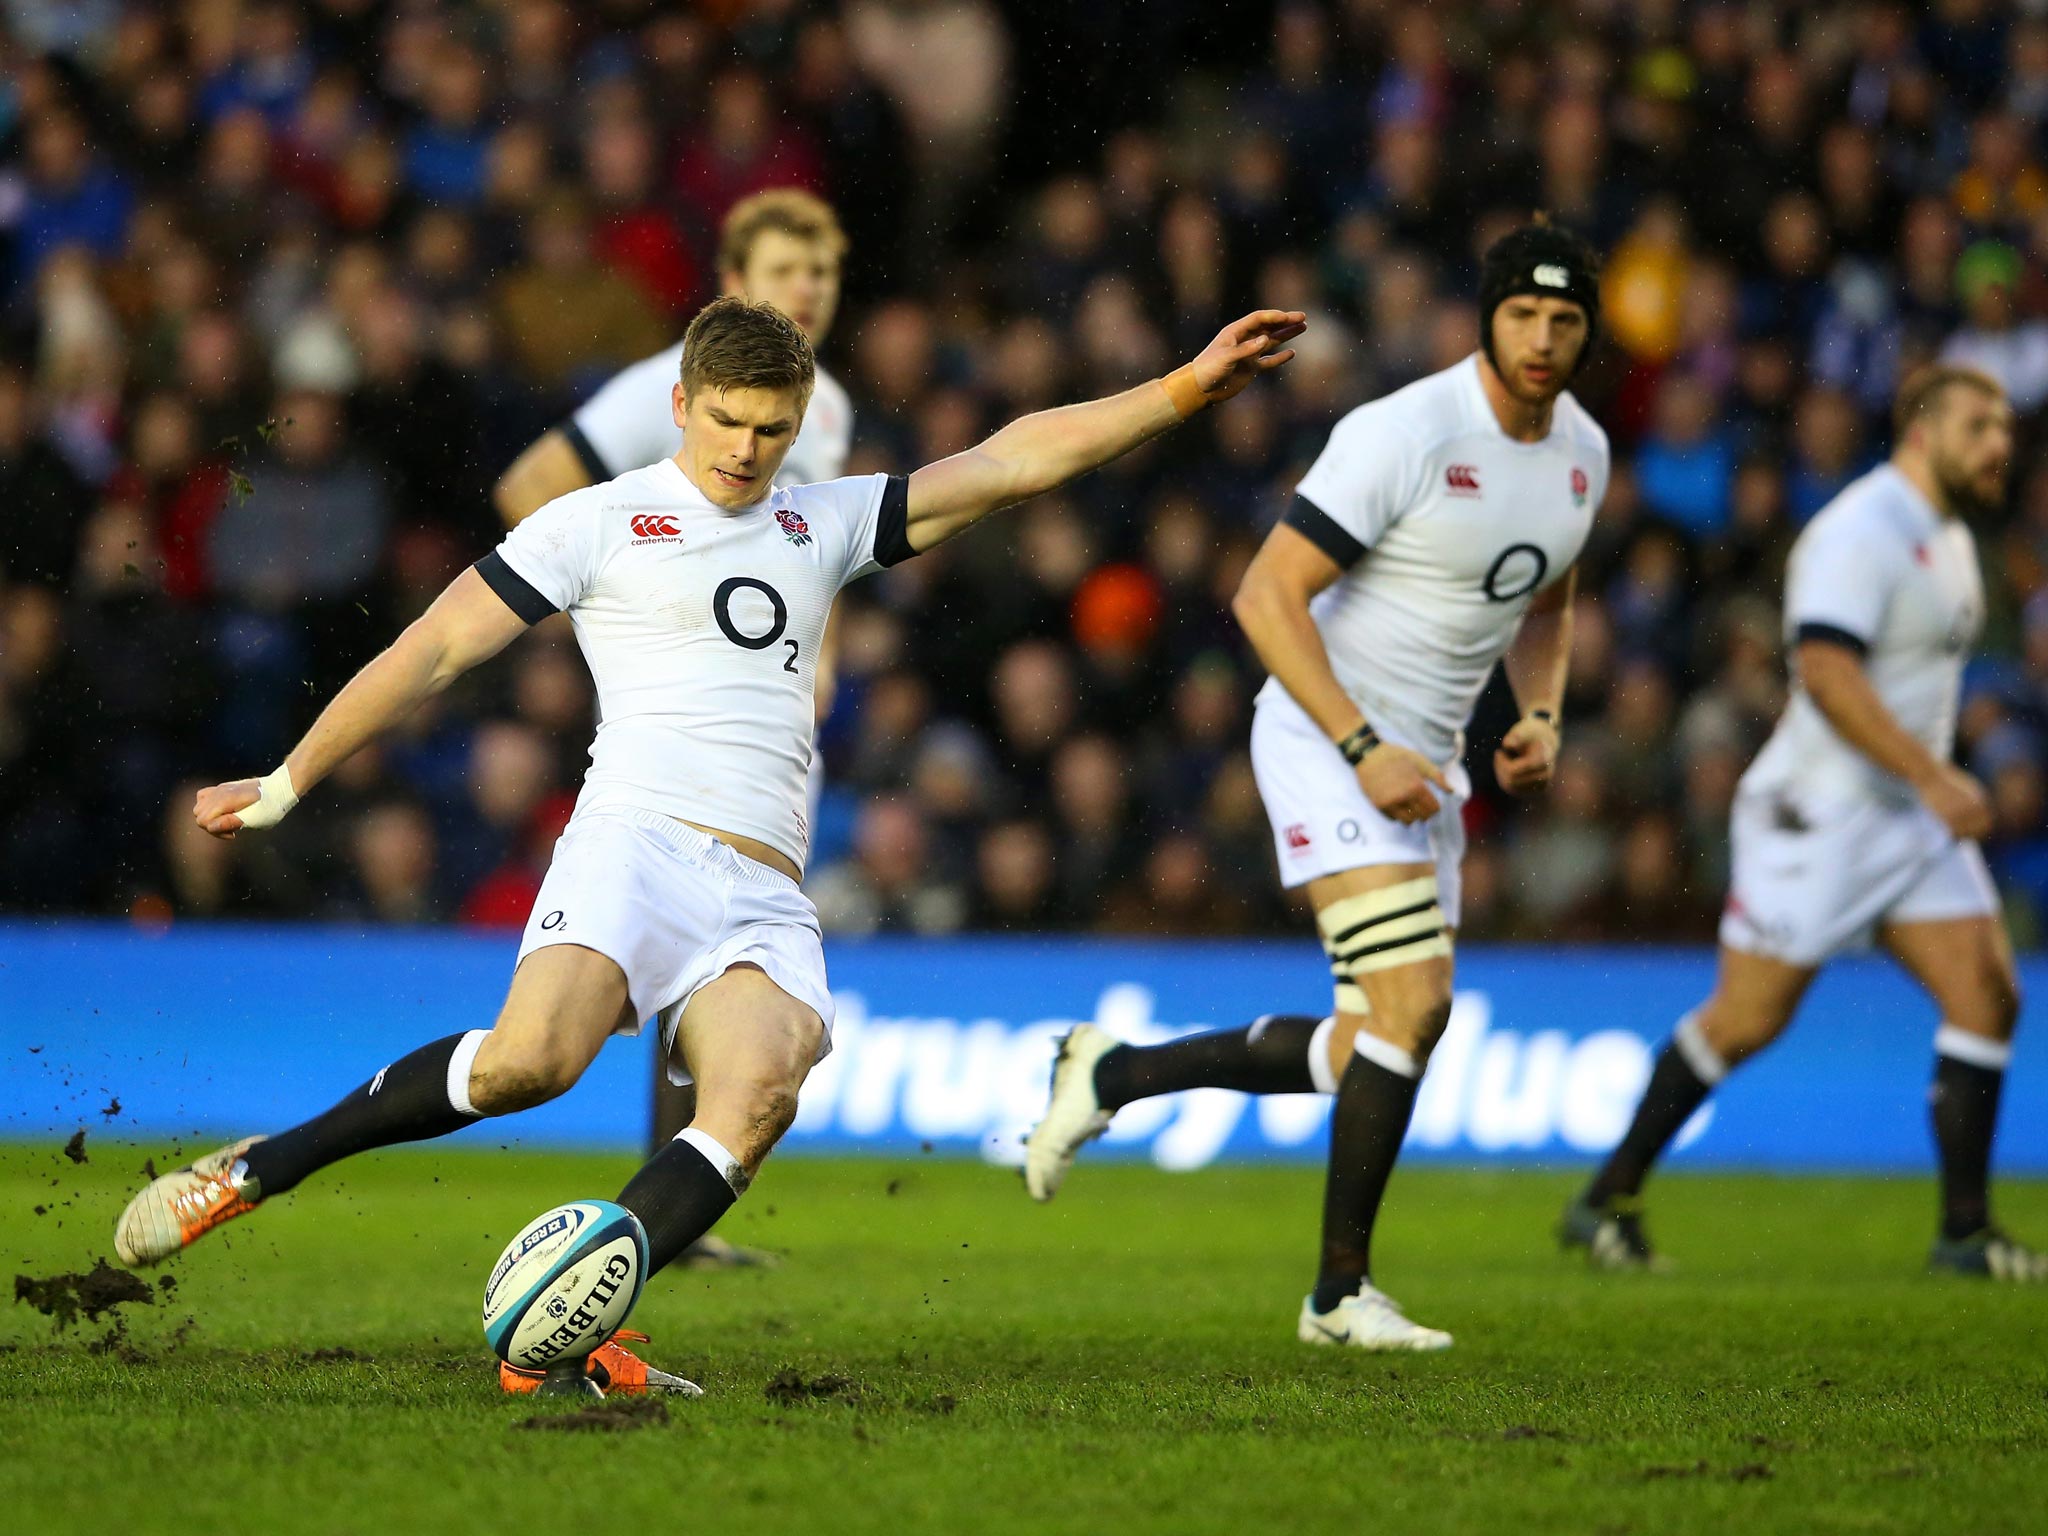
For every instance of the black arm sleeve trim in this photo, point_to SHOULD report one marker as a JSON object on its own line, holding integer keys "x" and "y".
{"x": 598, "y": 470}
{"x": 1321, "y": 530}
{"x": 1831, "y": 634}
{"x": 520, "y": 595}
{"x": 892, "y": 533}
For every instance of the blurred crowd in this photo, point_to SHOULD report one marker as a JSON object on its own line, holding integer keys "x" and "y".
{"x": 285, "y": 284}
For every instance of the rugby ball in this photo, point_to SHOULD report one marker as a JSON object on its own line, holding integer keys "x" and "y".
{"x": 565, "y": 1284}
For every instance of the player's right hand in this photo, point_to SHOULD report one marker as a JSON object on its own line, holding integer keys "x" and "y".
{"x": 214, "y": 808}
{"x": 1960, "y": 801}
{"x": 1397, "y": 781}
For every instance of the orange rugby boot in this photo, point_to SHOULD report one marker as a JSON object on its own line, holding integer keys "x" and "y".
{"x": 613, "y": 1367}
{"x": 176, "y": 1210}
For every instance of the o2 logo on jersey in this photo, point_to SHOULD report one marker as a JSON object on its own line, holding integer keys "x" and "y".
{"x": 794, "y": 528}
{"x": 649, "y": 526}
{"x": 1580, "y": 486}
{"x": 1516, "y": 571}
{"x": 721, "y": 610}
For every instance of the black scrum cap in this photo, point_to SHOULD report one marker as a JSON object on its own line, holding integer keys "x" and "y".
{"x": 1542, "y": 259}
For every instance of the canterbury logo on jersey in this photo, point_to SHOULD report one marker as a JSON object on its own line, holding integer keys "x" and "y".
{"x": 649, "y": 526}
{"x": 1462, "y": 480}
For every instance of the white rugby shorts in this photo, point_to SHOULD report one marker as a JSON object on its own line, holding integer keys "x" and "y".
{"x": 1322, "y": 821}
{"x": 1811, "y": 881}
{"x": 676, "y": 909}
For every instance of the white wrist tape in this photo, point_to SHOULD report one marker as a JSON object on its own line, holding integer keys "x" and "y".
{"x": 275, "y": 798}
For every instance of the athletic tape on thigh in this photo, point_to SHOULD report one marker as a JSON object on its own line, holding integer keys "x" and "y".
{"x": 1378, "y": 931}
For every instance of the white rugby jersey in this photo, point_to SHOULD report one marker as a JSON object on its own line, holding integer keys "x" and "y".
{"x": 1446, "y": 528}
{"x": 701, "y": 629}
{"x": 1883, "y": 572}
{"x": 631, "y": 422}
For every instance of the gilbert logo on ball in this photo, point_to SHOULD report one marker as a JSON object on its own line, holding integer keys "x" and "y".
{"x": 565, "y": 1284}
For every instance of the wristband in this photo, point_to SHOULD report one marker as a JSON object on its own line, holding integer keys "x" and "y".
{"x": 1358, "y": 743}
{"x": 1186, "y": 395}
{"x": 275, "y": 797}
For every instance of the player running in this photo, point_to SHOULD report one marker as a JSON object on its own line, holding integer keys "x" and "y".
{"x": 783, "y": 247}
{"x": 698, "y": 592}
{"x": 1436, "y": 535}
{"x": 1853, "y": 819}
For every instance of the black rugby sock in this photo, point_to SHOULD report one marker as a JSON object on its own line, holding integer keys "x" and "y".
{"x": 1963, "y": 1103}
{"x": 1270, "y": 1056}
{"x": 680, "y": 1193}
{"x": 1675, "y": 1090}
{"x": 408, "y": 1101}
{"x": 1373, "y": 1106}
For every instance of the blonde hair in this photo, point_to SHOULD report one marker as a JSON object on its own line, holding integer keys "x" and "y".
{"x": 1921, "y": 395}
{"x": 786, "y": 210}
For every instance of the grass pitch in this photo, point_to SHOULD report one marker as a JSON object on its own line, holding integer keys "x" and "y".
{"x": 951, "y": 1358}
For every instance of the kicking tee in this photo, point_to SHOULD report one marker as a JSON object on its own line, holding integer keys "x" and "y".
{"x": 1446, "y": 528}
{"x": 1881, "y": 571}
{"x": 630, "y": 422}
{"x": 701, "y": 628}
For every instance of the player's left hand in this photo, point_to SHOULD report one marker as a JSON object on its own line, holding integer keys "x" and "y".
{"x": 1527, "y": 756}
{"x": 1246, "y": 348}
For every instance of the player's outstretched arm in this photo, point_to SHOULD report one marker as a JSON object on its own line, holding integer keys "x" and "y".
{"x": 1538, "y": 662}
{"x": 467, "y": 624}
{"x": 1834, "y": 677}
{"x": 1037, "y": 453}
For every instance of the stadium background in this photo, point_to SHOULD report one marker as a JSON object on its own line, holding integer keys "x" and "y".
{"x": 413, "y": 235}
{"x": 288, "y": 284}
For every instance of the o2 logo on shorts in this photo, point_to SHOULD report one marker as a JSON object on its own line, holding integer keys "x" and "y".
{"x": 1516, "y": 571}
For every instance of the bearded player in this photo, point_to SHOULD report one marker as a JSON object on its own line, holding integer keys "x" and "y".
{"x": 1435, "y": 536}
{"x": 1853, "y": 820}
{"x": 783, "y": 247}
{"x": 699, "y": 592}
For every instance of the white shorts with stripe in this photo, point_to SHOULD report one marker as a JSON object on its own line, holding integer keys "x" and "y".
{"x": 1323, "y": 823}
{"x": 1811, "y": 881}
{"x": 676, "y": 909}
